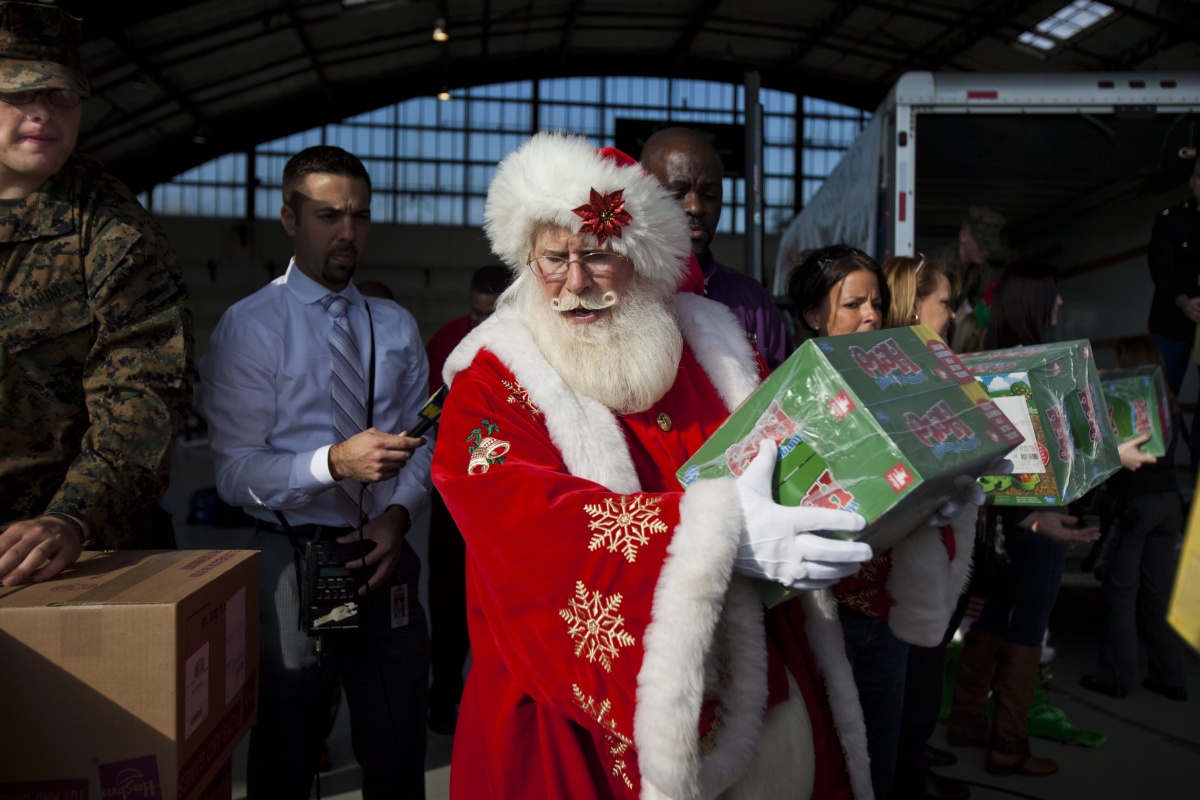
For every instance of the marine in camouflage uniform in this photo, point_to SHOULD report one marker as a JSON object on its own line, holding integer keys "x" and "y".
{"x": 95, "y": 329}
{"x": 95, "y": 354}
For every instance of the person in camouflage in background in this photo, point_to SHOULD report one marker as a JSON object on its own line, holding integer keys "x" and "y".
{"x": 95, "y": 328}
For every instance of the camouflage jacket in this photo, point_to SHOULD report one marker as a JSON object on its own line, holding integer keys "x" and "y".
{"x": 95, "y": 355}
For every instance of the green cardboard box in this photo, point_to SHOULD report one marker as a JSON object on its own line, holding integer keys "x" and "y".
{"x": 1052, "y": 394}
{"x": 1137, "y": 404}
{"x": 880, "y": 423}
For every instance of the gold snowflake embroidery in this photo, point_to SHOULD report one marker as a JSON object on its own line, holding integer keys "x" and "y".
{"x": 598, "y": 711}
{"x": 624, "y": 525}
{"x": 617, "y": 750}
{"x": 618, "y": 744}
{"x": 519, "y": 396}
{"x": 594, "y": 624}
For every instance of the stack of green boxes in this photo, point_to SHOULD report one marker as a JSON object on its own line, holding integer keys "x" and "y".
{"x": 1137, "y": 404}
{"x": 880, "y": 423}
{"x": 1052, "y": 394}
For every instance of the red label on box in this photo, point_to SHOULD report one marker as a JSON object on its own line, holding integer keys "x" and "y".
{"x": 826, "y": 493}
{"x": 774, "y": 425}
{"x": 841, "y": 405}
{"x": 941, "y": 429}
{"x": 1058, "y": 425}
{"x": 1141, "y": 415}
{"x": 898, "y": 478}
{"x": 950, "y": 360}
{"x": 210, "y": 750}
{"x": 1087, "y": 401}
{"x": 884, "y": 359}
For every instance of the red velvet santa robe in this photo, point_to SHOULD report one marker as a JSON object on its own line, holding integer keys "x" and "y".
{"x": 614, "y": 653}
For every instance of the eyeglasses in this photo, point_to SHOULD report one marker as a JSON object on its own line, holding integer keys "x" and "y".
{"x": 63, "y": 98}
{"x": 554, "y": 268}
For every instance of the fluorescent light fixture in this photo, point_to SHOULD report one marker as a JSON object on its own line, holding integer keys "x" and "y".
{"x": 439, "y": 30}
{"x": 1064, "y": 24}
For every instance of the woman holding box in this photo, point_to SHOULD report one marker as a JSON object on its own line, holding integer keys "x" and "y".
{"x": 1003, "y": 649}
{"x": 837, "y": 290}
{"x": 923, "y": 292}
{"x": 905, "y": 594}
{"x": 1141, "y": 569}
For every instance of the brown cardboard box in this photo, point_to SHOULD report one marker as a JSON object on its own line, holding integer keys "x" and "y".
{"x": 132, "y": 675}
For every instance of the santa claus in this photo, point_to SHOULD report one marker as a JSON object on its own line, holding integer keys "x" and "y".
{"x": 618, "y": 647}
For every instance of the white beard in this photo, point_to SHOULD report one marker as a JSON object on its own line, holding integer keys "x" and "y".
{"x": 626, "y": 361}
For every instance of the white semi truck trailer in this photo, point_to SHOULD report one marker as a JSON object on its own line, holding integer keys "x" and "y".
{"x": 1079, "y": 164}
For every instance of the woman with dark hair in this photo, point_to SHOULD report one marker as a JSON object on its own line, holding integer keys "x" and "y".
{"x": 837, "y": 290}
{"x": 1025, "y": 308}
{"x": 906, "y": 594}
{"x": 1137, "y": 580}
{"x": 1003, "y": 649}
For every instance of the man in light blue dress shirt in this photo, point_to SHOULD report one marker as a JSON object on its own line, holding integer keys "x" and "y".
{"x": 267, "y": 380}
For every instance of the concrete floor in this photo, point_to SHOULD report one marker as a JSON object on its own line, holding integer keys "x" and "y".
{"x": 1153, "y": 751}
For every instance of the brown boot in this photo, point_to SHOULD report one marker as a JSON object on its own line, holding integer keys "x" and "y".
{"x": 1016, "y": 682}
{"x": 968, "y": 719}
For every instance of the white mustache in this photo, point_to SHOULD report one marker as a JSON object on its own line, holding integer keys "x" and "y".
{"x": 573, "y": 302}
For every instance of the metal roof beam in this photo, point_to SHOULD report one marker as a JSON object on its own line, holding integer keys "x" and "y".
{"x": 309, "y": 50}
{"x": 958, "y": 38}
{"x": 1163, "y": 22}
{"x": 699, "y": 18}
{"x": 818, "y": 35}
{"x": 155, "y": 75}
{"x": 568, "y": 29}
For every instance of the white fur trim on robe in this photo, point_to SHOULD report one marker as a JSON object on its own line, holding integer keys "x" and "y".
{"x": 925, "y": 584}
{"x": 824, "y": 631}
{"x": 784, "y": 765}
{"x": 720, "y": 346}
{"x": 703, "y": 625}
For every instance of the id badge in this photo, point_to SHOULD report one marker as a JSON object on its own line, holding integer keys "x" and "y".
{"x": 399, "y": 604}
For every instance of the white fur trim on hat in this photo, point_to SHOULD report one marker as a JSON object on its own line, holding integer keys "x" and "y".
{"x": 552, "y": 174}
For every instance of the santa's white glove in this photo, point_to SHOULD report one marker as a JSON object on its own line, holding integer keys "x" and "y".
{"x": 775, "y": 543}
{"x": 970, "y": 495}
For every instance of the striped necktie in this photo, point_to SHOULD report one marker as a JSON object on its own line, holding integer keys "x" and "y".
{"x": 348, "y": 393}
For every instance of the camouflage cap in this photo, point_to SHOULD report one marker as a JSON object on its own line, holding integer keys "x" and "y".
{"x": 985, "y": 225}
{"x": 39, "y": 49}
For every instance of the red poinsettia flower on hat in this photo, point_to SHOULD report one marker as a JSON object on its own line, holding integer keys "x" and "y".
{"x": 605, "y": 215}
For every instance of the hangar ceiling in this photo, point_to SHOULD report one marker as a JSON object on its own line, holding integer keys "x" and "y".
{"x": 178, "y": 82}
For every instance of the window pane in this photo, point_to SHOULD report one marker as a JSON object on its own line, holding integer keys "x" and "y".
{"x": 431, "y": 161}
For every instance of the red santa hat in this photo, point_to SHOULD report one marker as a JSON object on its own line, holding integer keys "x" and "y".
{"x": 561, "y": 179}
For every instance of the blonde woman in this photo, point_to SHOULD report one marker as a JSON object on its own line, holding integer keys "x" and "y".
{"x": 923, "y": 293}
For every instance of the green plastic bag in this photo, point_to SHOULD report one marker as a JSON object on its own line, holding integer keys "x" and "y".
{"x": 1045, "y": 720}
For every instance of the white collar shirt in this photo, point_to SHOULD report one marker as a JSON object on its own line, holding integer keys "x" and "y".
{"x": 265, "y": 393}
